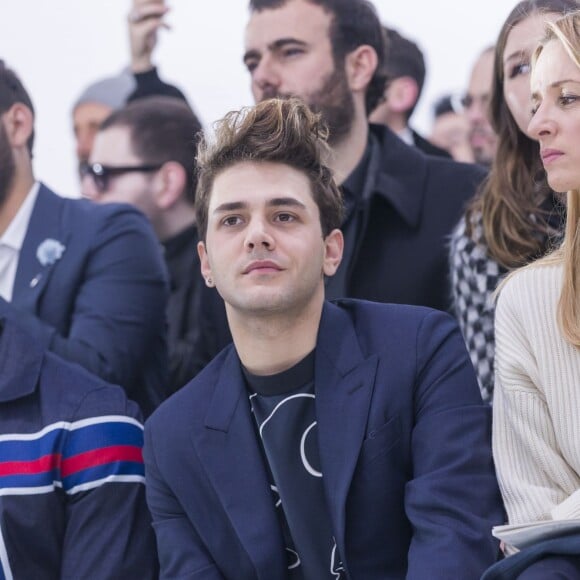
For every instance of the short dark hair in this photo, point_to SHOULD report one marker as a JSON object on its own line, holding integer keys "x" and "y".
{"x": 12, "y": 91}
{"x": 403, "y": 58}
{"x": 276, "y": 131}
{"x": 446, "y": 104}
{"x": 354, "y": 23}
{"x": 162, "y": 129}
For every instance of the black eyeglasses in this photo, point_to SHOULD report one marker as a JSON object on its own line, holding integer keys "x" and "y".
{"x": 100, "y": 174}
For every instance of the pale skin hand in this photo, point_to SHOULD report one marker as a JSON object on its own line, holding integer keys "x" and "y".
{"x": 145, "y": 19}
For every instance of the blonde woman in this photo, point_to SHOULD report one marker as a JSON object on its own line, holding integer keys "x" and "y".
{"x": 536, "y": 412}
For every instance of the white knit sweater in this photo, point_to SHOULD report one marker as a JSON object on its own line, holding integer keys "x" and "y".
{"x": 536, "y": 409}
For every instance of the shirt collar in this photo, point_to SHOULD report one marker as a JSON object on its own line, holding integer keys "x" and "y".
{"x": 406, "y": 136}
{"x": 16, "y": 231}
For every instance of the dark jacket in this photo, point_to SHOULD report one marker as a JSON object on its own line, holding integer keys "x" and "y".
{"x": 414, "y": 202}
{"x": 404, "y": 442}
{"x": 71, "y": 478}
{"x": 188, "y": 351}
{"x": 100, "y": 299}
{"x": 427, "y": 147}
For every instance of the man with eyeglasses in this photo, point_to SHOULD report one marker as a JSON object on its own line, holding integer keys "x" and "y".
{"x": 143, "y": 154}
{"x": 87, "y": 282}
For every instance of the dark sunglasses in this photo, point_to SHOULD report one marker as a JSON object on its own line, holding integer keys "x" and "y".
{"x": 100, "y": 174}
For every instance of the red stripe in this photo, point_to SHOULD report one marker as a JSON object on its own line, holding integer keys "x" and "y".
{"x": 100, "y": 457}
{"x": 45, "y": 463}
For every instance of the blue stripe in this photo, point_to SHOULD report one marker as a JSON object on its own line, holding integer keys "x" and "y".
{"x": 30, "y": 480}
{"x": 50, "y": 443}
{"x": 102, "y": 435}
{"x": 77, "y": 441}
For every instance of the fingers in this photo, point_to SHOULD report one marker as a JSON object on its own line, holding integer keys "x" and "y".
{"x": 147, "y": 10}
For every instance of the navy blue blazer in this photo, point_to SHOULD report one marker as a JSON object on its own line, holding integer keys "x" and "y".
{"x": 102, "y": 302}
{"x": 71, "y": 471}
{"x": 405, "y": 451}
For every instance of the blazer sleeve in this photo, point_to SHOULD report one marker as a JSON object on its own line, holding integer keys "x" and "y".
{"x": 452, "y": 499}
{"x": 118, "y": 315}
{"x": 108, "y": 526}
{"x": 181, "y": 552}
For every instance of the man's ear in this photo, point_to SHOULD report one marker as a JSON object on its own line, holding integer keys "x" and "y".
{"x": 402, "y": 94}
{"x": 171, "y": 184}
{"x": 333, "y": 247}
{"x": 19, "y": 124}
{"x": 360, "y": 66}
{"x": 205, "y": 267}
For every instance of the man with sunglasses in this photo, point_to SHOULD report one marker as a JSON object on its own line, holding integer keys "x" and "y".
{"x": 87, "y": 282}
{"x": 143, "y": 154}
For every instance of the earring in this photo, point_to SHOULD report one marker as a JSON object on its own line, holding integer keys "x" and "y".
{"x": 209, "y": 282}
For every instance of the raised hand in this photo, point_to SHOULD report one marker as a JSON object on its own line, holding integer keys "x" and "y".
{"x": 145, "y": 19}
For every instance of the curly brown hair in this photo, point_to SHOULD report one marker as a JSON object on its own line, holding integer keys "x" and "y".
{"x": 277, "y": 131}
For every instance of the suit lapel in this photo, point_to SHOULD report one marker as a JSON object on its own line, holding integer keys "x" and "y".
{"x": 229, "y": 448}
{"x": 31, "y": 275}
{"x": 344, "y": 382}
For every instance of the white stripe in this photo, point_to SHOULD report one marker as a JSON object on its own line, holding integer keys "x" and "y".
{"x": 4, "y": 559}
{"x": 280, "y": 404}
{"x": 108, "y": 479}
{"x": 305, "y": 461}
{"x": 29, "y": 490}
{"x": 66, "y": 425}
{"x": 105, "y": 419}
{"x": 43, "y": 489}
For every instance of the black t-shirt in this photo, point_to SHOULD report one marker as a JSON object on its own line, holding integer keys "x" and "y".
{"x": 285, "y": 414}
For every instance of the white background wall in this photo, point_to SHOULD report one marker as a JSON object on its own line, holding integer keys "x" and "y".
{"x": 59, "y": 46}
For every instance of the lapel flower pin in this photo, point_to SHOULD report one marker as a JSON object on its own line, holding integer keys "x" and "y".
{"x": 49, "y": 251}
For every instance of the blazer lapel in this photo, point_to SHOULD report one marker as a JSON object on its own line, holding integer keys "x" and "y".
{"x": 31, "y": 275}
{"x": 20, "y": 360}
{"x": 344, "y": 382}
{"x": 229, "y": 449}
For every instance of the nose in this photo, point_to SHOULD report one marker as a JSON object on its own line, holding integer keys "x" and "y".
{"x": 259, "y": 236}
{"x": 266, "y": 79}
{"x": 84, "y": 143}
{"x": 477, "y": 110}
{"x": 88, "y": 188}
{"x": 541, "y": 124}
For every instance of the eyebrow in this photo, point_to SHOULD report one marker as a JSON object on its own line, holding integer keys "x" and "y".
{"x": 557, "y": 84}
{"x": 274, "y": 46}
{"x": 274, "y": 202}
{"x": 519, "y": 54}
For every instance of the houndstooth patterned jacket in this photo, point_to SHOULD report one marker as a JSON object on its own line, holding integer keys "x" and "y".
{"x": 474, "y": 277}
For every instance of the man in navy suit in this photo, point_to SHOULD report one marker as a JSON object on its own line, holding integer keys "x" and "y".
{"x": 88, "y": 282}
{"x": 342, "y": 440}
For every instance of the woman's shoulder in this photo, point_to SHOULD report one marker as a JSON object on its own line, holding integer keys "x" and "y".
{"x": 538, "y": 284}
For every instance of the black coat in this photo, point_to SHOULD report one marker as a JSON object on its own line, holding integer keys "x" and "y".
{"x": 427, "y": 147}
{"x": 413, "y": 204}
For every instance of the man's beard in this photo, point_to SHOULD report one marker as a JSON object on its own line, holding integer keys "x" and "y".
{"x": 333, "y": 101}
{"x": 7, "y": 165}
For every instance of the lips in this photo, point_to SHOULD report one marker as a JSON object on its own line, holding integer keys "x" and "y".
{"x": 550, "y": 155}
{"x": 262, "y": 266}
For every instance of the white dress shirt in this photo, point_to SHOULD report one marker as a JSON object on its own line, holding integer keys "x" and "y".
{"x": 11, "y": 243}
